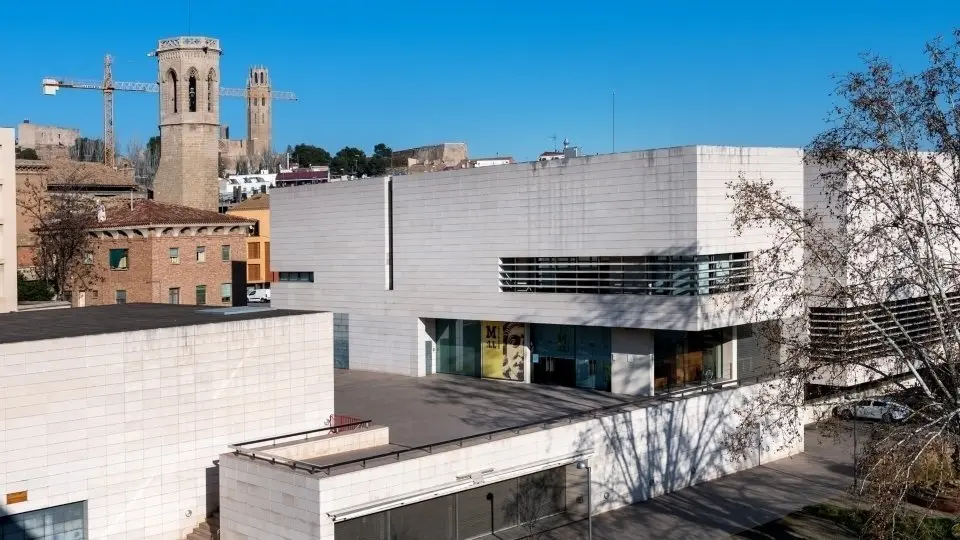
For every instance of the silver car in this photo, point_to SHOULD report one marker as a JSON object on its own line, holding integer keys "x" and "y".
{"x": 873, "y": 409}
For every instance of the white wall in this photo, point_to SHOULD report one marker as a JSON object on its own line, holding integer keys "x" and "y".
{"x": 8, "y": 222}
{"x": 637, "y": 455}
{"x": 451, "y": 227}
{"x": 130, "y": 422}
{"x": 632, "y": 362}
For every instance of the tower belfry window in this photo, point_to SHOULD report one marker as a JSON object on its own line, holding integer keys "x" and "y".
{"x": 210, "y": 84}
{"x": 172, "y": 78}
{"x": 193, "y": 92}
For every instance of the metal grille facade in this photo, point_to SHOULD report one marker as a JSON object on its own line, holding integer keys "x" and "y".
{"x": 866, "y": 331}
{"x": 679, "y": 275}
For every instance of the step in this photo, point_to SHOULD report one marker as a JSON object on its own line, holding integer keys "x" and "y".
{"x": 199, "y": 536}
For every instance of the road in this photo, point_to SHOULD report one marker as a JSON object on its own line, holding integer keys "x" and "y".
{"x": 739, "y": 501}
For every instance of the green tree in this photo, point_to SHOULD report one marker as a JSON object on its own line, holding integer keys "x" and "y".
{"x": 27, "y": 153}
{"x": 85, "y": 149}
{"x": 379, "y": 162}
{"x": 306, "y": 155}
{"x": 32, "y": 291}
{"x": 153, "y": 147}
{"x": 349, "y": 160}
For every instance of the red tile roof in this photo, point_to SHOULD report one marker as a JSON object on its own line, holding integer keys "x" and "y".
{"x": 147, "y": 212}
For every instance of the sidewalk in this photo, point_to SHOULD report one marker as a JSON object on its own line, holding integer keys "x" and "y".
{"x": 731, "y": 504}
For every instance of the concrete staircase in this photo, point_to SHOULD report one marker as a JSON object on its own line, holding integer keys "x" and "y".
{"x": 207, "y": 530}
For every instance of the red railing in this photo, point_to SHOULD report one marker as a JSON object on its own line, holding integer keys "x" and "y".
{"x": 349, "y": 422}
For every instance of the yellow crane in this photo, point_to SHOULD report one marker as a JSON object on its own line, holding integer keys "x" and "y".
{"x": 108, "y": 86}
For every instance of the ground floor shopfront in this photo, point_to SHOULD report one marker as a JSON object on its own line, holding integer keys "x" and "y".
{"x": 620, "y": 360}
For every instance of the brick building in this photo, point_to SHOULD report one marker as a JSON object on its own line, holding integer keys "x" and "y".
{"x": 63, "y": 177}
{"x": 147, "y": 251}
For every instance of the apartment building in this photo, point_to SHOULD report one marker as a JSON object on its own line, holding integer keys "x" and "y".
{"x": 147, "y": 251}
{"x": 616, "y": 273}
{"x": 257, "y": 210}
{"x": 8, "y": 222}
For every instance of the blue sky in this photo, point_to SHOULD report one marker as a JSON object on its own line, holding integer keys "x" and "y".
{"x": 500, "y": 76}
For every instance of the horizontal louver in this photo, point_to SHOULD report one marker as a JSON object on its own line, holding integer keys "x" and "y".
{"x": 690, "y": 275}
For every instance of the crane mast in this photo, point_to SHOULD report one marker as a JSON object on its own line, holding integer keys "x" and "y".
{"x": 109, "y": 144}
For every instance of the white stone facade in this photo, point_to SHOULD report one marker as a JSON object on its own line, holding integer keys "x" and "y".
{"x": 448, "y": 231}
{"x": 636, "y": 455}
{"x": 132, "y": 422}
{"x": 8, "y": 222}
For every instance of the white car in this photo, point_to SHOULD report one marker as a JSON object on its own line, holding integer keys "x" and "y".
{"x": 873, "y": 409}
{"x": 257, "y": 296}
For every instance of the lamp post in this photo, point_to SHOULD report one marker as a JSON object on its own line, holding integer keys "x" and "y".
{"x": 584, "y": 465}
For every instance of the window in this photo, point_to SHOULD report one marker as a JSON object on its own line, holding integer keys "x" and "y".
{"x": 226, "y": 293}
{"x": 253, "y": 272}
{"x": 174, "y": 255}
{"x": 253, "y": 250}
{"x": 88, "y": 257}
{"x": 225, "y": 253}
{"x": 211, "y": 83}
{"x": 172, "y": 79}
{"x": 296, "y": 276}
{"x": 201, "y": 295}
{"x": 121, "y": 297}
{"x": 201, "y": 254}
{"x": 263, "y": 101}
{"x": 192, "y": 89}
{"x": 173, "y": 295}
{"x": 119, "y": 259}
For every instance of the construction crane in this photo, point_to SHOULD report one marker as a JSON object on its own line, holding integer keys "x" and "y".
{"x": 108, "y": 86}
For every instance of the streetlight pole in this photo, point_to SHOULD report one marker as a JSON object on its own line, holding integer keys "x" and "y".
{"x": 584, "y": 465}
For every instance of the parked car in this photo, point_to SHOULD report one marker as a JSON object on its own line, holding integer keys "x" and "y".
{"x": 258, "y": 296}
{"x": 873, "y": 409}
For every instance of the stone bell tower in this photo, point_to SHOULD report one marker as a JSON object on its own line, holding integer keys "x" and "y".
{"x": 258, "y": 112}
{"x": 189, "y": 77}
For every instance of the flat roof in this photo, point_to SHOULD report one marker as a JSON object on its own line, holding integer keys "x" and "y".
{"x": 93, "y": 320}
{"x": 425, "y": 410}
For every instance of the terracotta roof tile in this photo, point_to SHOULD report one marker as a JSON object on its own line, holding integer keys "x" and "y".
{"x": 257, "y": 202}
{"x": 88, "y": 172}
{"x": 145, "y": 212}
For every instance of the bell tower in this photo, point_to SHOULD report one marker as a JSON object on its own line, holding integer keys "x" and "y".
{"x": 189, "y": 78}
{"x": 258, "y": 112}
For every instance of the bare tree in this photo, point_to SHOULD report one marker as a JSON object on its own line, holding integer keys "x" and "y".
{"x": 61, "y": 214}
{"x": 865, "y": 273}
{"x": 144, "y": 160}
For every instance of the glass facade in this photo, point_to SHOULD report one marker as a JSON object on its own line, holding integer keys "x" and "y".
{"x": 688, "y": 358}
{"x": 520, "y": 502}
{"x": 458, "y": 347}
{"x": 571, "y": 355}
{"x": 341, "y": 340}
{"x": 67, "y": 522}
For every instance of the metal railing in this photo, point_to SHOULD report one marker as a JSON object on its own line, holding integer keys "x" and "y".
{"x": 395, "y": 455}
{"x": 306, "y": 434}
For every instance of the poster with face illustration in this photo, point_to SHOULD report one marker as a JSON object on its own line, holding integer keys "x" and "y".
{"x": 502, "y": 350}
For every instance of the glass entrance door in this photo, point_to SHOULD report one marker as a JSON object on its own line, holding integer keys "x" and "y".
{"x": 577, "y": 356}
